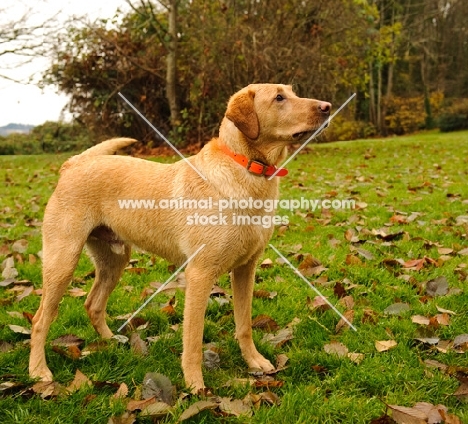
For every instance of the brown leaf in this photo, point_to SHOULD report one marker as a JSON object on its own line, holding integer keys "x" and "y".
{"x": 156, "y": 410}
{"x": 365, "y": 253}
{"x": 235, "y": 407}
{"x": 72, "y": 352}
{"x": 442, "y": 319}
{"x": 134, "y": 405}
{"x": 352, "y": 260}
{"x": 444, "y": 250}
{"x": 138, "y": 345}
{"x": 264, "y": 294}
{"x": 404, "y": 415}
{"x": 462, "y": 392}
{"x": 420, "y": 319}
{"x": 122, "y": 392}
{"x": 67, "y": 340}
{"x": 369, "y": 316}
{"x": 125, "y": 418}
{"x": 196, "y": 408}
{"x": 29, "y": 316}
{"x": 336, "y": 348}
{"x": 19, "y": 246}
{"x": 19, "y": 329}
{"x": 264, "y": 322}
{"x": 47, "y": 389}
{"x": 317, "y": 303}
{"x": 347, "y": 302}
{"x": 267, "y": 263}
{"x": 280, "y": 338}
{"x": 79, "y": 381}
{"x": 309, "y": 262}
{"x": 158, "y": 386}
{"x": 77, "y": 292}
{"x": 437, "y": 287}
{"x": 349, "y": 315}
{"x": 168, "y": 308}
{"x": 384, "y": 345}
{"x": 339, "y": 290}
{"x": 26, "y": 292}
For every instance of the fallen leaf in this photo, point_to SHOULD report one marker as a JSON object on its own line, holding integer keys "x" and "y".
{"x": 122, "y": 392}
{"x": 420, "y": 319}
{"x": 26, "y": 292}
{"x": 339, "y": 290}
{"x": 158, "y": 386}
{"x": 384, "y": 345}
{"x": 5, "y": 346}
{"x": 352, "y": 260}
{"x": 234, "y": 407}
{"x": 462, "y": 392}
{"x": 397, "y": 308}
{"x": 349, "y": 315}
{"x": 138, "y": 345}
{"x": 365, "y": 253}
{"x": 437, "y": 287}
{"x": 264, "y": 322}
{"x": 19, "y": 329}
{"x": 125, "y": 418}
{"x": 47, "y": 389}
{"x": 404, "y": 415}
{"x": 318, "y": 303}
{"x": 211, "y": 359}
{"x": 280, "y": 338}
{"x": 77, "y": 292}
{"x": 461, "y": 342}
{"x": 357, "y": 358}
{"x": 264, "y": 294}
{"x": 19, "y": 246}
{"x": 134, "y": 405}
{"x": 79, "y": 381}
{"x": 196, "y": 408}
{"x": 67, "y": 340}
{"x": 336, "y": 348}
{"x": 267, "y": 263}
{"x": 156, "y": 410}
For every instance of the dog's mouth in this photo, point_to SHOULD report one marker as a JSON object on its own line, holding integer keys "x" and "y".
{"x": 304, "y": 134}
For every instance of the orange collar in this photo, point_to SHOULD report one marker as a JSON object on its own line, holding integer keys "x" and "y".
{"x": 253, "y": 166}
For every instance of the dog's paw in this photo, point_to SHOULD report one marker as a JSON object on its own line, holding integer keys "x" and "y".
{"x": 44, "y": 375}
{"x": 260, "y": 362}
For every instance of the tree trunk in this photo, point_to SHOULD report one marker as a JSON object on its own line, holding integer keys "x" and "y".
{"x": 171, "y": 74}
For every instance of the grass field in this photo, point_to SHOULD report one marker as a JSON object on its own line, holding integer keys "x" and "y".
{"x": 405, "y": 240}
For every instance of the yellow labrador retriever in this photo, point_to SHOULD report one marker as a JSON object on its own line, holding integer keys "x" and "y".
{"x": 260, "y": 122}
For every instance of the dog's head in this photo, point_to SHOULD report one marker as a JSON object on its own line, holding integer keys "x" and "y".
{"x": 272, "y": 113}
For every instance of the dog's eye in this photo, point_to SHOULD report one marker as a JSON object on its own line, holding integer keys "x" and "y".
{"x": 279, "y": 98}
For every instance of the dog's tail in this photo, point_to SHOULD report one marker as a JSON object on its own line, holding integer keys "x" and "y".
{"x": 108, "y": 147}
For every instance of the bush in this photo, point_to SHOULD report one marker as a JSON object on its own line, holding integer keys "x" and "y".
{"x": 408, "y": 114}
{"x": 456, "y": 117}
{"x": 50, "y": 137}
{"x": 342, "y": 129}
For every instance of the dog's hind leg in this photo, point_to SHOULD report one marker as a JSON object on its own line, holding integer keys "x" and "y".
{"x": 60, "y": 257}
{"x": 110, "y": 259}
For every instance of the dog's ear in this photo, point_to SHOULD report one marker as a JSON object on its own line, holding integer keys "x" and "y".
{"x": 241, "y": 112}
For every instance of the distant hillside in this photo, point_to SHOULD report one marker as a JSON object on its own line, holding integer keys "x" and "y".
{"x": 15, "y": 128}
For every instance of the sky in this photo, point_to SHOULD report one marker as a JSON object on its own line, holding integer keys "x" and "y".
{"x": 27, "y": 103}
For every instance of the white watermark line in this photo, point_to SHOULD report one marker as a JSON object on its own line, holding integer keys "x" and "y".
{"x": 298, "y": 273}
{"x": 161, "y": 288}
{"x": 319, "y": 130}
{"x": 161, "y": 135}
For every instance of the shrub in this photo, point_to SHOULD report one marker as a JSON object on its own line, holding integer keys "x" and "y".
{"x": 343, "y": 129}
{"x": 456, "y": 117}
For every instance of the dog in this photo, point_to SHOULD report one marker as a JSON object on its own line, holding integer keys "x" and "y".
{"x": 261, "y": 121}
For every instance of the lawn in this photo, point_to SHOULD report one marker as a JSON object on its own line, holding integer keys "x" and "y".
{"x": 396, "y": 266}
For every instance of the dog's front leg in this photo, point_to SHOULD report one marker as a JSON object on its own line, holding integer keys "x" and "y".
{"x": 200, "y": 281}
{"x": 243, "y": 279}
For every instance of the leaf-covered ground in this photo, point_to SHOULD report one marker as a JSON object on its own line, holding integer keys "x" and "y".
{"x": 396, "y": 267}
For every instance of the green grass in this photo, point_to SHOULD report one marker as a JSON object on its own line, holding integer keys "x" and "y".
{"x": 425, "y": 173}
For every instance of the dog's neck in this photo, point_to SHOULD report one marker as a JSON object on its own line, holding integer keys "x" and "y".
{"x": 267, "y": 153}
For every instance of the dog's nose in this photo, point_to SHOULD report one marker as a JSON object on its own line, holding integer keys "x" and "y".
{"x": 324, "y": 107}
